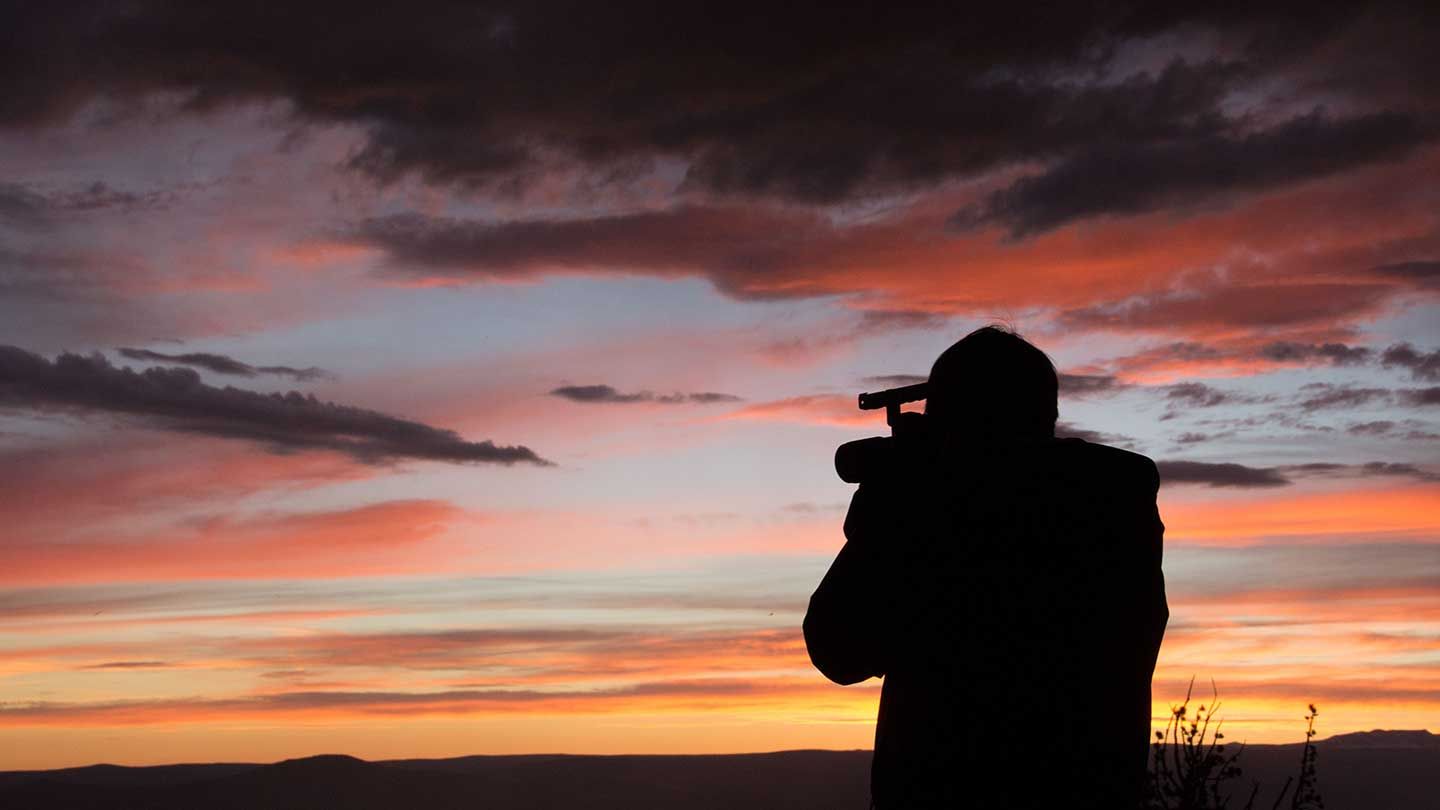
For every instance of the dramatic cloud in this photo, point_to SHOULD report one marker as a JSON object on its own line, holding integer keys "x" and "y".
{"x": 1200, "y": 208}
{"x": 221, "y": 364}
{"x": 745, "y": 252}
{"x": 1135, "y": 178}
{"x": 1422, "y": 366}
{"x": 176, "y": 399}
{"x": 499, "y": 97}
{"x": 605, "y": 393}
{"x": 1219, "y": 475}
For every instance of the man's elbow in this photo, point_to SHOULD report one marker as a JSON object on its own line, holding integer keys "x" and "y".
{"x": 832, "y": 655}
{"x": 845, "y": 674}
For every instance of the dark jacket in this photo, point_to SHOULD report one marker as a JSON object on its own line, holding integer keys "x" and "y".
{"x": 1013, "y": 601}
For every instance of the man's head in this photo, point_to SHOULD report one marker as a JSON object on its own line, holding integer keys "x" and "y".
{"x": 993, "y": 382}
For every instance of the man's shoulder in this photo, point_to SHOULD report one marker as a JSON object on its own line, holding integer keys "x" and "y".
{"x": 1111, "y": 461}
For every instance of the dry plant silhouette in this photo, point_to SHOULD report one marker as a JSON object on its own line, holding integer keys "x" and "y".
{"x": 1190, "y": 766}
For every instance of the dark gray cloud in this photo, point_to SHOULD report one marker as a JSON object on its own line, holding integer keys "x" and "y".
{"x": 1379, "y": 427}
{"x": 223, "y": 364}
{"x": 1220, "y": 474}
{"x": 605, "y": 393}
{"x": 1420, "y": 397}
{"x": 494, "y": 95}
{"x": 1422, "y": 365}
{"x": 1082, "y": 385}
{"x": 1068, "y": 430}
{"x": 1200, "y": 395}
{"x": 177, "y": 399}
{"x": 740, "y": 250}
{"x": 1322, "y": 396}
{"x": 1136, "y": 178}
{"x": 1373, "y": 469}
{"x": 1336, "y": 353}
{"x": 130, "y": 665}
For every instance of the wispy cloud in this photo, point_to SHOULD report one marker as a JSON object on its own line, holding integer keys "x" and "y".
{"x": 223, "y": 364}
{"x": 607, "y": 394}
{"x": 176, "y": 399}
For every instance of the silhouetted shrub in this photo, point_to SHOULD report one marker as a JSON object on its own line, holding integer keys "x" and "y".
{"x": 1190, "y": 765}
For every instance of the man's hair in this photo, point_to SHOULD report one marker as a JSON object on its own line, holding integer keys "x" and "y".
{"x": 994, "y": 382}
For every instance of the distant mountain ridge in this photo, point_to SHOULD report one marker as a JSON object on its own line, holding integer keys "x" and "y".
{"x": 1371, "y": 770}
{"x": 1380, "y": 738}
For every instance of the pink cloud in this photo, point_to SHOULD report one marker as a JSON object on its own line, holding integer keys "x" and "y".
{"x": 382, "y": 538}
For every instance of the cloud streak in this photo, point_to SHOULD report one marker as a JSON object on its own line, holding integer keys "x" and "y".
{"x": 1219, "y": 474}
{"x": 608, "y": 394}
{"x": 176, "y": 399}
{"x": 1240, "y": 476}
{"x": 223, "y": 364}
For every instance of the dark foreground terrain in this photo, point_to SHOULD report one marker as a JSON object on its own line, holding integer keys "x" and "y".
{"x": 1383, "y": 770}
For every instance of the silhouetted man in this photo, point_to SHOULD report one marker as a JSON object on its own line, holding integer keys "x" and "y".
{"x": 1007, "y": 586}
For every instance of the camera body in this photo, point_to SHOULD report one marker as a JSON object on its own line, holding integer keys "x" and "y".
{"x": 862, "y": 459}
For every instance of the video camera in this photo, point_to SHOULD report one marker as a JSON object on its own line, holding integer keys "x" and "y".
{"x": 855, "y": 461}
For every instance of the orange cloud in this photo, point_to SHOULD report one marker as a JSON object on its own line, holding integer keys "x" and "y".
{"x": 375, "y": 539}
{"x": 700, "y": 694}
{"x": 1282, "y": 248}
{"x": 59, "y": 487}
{"x": 1361, "y": 516}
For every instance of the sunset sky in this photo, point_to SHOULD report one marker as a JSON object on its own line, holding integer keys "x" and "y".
{"x": 575, "y": 301}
